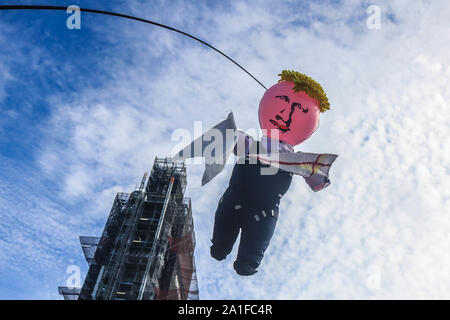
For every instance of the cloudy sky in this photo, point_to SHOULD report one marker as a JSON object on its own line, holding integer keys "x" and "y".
{"x": 84, "y": 112}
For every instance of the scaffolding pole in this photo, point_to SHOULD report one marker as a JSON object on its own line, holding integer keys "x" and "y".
{"x": 155, "y": 243}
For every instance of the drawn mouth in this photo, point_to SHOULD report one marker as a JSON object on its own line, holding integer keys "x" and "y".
{"x": 282, "y": 127}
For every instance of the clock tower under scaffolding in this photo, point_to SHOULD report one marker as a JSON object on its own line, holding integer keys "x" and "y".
{"x": 146, "y": 250}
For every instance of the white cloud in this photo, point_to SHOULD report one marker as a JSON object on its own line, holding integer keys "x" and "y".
{"x": 389, "y": 201}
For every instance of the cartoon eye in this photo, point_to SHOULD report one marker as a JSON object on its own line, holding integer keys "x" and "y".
{"x": 297, "y": 105}
{"x": 285, "y": 98}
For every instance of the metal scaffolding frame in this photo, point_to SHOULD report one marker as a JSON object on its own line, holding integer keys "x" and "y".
{"x": 69, "y": 293}
{"x": 146, "y": 250}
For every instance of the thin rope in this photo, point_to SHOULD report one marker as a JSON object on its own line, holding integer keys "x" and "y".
{"x": 115, "y": 14}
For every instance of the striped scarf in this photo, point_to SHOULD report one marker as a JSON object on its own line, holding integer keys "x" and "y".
{"x": 313, "y": 167}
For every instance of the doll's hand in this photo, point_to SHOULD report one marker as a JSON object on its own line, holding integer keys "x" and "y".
{"x": 326, "y": 183}
{"x": 317, "y": 182}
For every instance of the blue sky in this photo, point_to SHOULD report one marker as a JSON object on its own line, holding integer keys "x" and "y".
{"x": 84, "y": 112}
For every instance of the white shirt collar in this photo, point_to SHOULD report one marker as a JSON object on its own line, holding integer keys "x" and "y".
{"x": 282, "y": 146}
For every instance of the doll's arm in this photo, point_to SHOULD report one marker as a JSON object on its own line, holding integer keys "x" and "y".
{"x": 243, "y": 144}
{"x": 317, "y": 182}
{"x": 215, "y": 156}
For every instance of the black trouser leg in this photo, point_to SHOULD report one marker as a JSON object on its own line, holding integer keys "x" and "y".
{"x": 255, "y": 238}
{"x": 226, "y": 227}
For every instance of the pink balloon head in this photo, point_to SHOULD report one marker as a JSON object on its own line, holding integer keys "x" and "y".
{"x": 286, "y": 115}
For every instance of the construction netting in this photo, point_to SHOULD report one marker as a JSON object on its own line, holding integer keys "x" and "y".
{"x": 186, "y": 286}
{"x": 193, "y": 288}
{"x": 172, "y": 294}
{"x": 184, "y": 244}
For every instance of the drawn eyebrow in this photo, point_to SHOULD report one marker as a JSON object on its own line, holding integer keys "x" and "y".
{"x": 298, "y": 105}
{"x": 286, "y": 98}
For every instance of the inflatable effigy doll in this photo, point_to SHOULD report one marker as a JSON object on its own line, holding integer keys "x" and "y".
{"x": 288, "y": 115}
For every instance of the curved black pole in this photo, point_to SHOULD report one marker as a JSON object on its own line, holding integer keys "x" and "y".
{"x": 39, "y": 7}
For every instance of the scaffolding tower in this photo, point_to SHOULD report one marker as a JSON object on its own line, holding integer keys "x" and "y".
{"x": 146, "y": 250}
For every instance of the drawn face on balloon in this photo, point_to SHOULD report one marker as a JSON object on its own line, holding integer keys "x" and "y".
{"x": 286, "y": 115}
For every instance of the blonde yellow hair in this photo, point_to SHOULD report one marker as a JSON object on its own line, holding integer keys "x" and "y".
{"x": 308, "y": 85}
